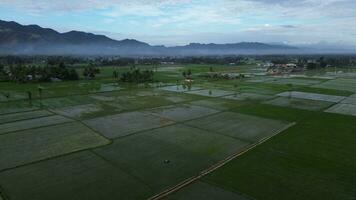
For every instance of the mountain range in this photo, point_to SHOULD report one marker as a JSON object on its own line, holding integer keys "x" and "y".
{"x": 33, "y": 39}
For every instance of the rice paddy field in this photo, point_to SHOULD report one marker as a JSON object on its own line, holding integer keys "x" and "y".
{"x": 260, "y": 137}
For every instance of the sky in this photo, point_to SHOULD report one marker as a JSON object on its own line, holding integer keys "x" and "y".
{"x": 179, "y": 22}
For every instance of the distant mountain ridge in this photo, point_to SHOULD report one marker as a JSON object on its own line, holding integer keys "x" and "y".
{"x": 33, "y": 39}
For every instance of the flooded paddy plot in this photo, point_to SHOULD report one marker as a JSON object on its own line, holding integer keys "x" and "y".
{"x": 202, "y": 190}
{"x": 342, "y": 108}
{"x": 240, "y": 126}
{"x": 312, "y": 96}
{"x": 123, "y": 124}
{"x": 182, "y": 112}
{"x": 16, "y": 106}
{"x": 217, "y": 104}
{"x": 11, "y": 96}
{"x": 32, "y": 123}
{"x": 77, "y": 111}
{"x": 350, "y": 100}
{"x": 248, "y": 96}
{"x": 159, "y": 164}
{"x": 295, "y": 81}
{"x": 81, "y": 175}
{"x": 37, "y": 144}
{"x": 211, "y": 93}
{"x": 304, "y": 104}
{"x": 285, "y": 80}
{"x": 212, "y": 145}
{"x": 180, "y": 88}
{"x": 64, "y": 101}
{"x": 108, "y": 87}
{"x": 339, "y": 84}
{"x": 23, "y": 116}
{"x": 102, "y": 98}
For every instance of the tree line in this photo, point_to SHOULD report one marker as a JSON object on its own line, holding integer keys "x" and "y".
{"x": 32, "y": 73}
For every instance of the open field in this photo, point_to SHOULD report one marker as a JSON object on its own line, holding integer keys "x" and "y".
{"x": 304, "y": 104}
{"x": 312, "y": 160}
{"x": 211, "y": 93}
{"x": 239, "y": 126}
{"x": 182, "y": 112}
{"x": 125, "y": 124}
{"x": 37, "y": 144}
{"x": 202, "y": 190}
{"x": 104, "y": 139}
{"x": 343, "y": 108}
{"x": 23, "y": 115}
{"x": 85, "y": 173}
{"x": 339, "y": 84}
{"x": 32, "y": 123}
{"x": 312, "y": 96}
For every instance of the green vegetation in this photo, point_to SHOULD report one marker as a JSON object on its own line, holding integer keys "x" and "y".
{"x": 138, "y": 128}
{"x": 136, "y": 76}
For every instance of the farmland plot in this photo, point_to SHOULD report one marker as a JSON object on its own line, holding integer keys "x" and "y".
{"x": 23, "y": 115}
{"x": 16, "y": 106}
{"x": 202, "y": 190}
{"x": 342, "y": 108}
{"x": 157, "y": 163}
{"x": 304, "y": 104}
{"x": 350, "y": 100}
{"x": 294, "y": 81}
{"x": 76, "y": 176}
{"x": 32, "y": 123}
{"x": 312, "y": 96}
{"x": 211, "y": 93}
{"x": 198, "y": 141}
{"x": 64, "y": 101}
{"x": 217, "y": 104}
{"x": 240, "y": 126}
{"x": 248, "y": 96}
{"x": 37, "y": 144}
{"x": 339, "y": 84}
{"x": 77, "y": 111}
{"x": 179, "y": 88}
{"x": 123, "y": 124}
{"x": 182, "y": 112}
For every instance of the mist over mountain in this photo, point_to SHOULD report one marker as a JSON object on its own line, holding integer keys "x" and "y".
{"x": 33, "y": 39}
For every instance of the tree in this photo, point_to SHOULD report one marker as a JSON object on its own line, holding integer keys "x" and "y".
{"x": 137, "y": 76}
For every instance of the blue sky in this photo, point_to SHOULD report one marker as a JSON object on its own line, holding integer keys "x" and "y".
{"x": 177, "y": 22}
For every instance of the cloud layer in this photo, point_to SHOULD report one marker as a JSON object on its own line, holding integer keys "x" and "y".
{"x": 183, "y": 21}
